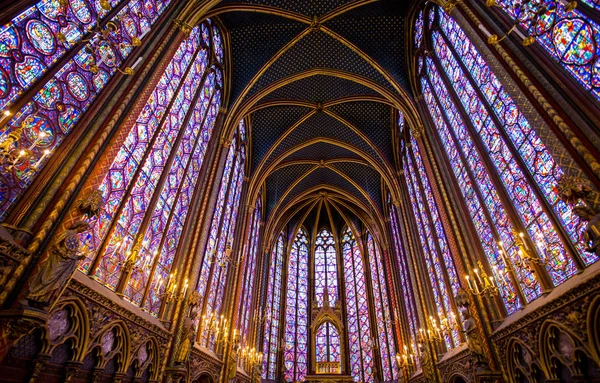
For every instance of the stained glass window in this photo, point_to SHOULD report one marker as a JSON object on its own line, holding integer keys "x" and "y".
{"x": 383, "y": 316}
{"x": 215, "y": 266}
{"x": 357, "y": 309}
{"x": 272, "y": 311}
{"x": 250, "y": 260}
{"x": 149, "y": 188}
{"x": 572, "y": 38}
{"x": 326, "y": 277}
{"x": 295, "y": 354}
{"x": 436, "y": 253}
{"x": 328, "y": 343}
{"x": 31, "y": 44}
{"x": 405, "y": 285}
{"x": 498, "y": 139}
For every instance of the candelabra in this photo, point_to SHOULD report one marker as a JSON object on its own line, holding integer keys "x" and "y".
{"x": 527, "y": 256}
{"x": 14, "y": 155}
{"x": 482, "y": 284}
{"x": 249, "y": 357}
{"x": 217, "y": 326}
{"x": 406, "y": 359}
{"x": 529, "y": 13}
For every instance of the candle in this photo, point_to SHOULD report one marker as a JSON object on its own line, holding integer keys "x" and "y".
{"x": 484, "y": 30}
{"x": 469, "y": 282}
{"x": 477, "y": 275}
{"x": 185, "y": 287}
{"x": 137, "y": 62}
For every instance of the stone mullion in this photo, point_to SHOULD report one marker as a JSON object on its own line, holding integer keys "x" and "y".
{"x": 233, "y": 293}
{"x": 433, "y": 278}
{"x": 256, "y": 290}
{"x": 412, "y": 282}
{"x": 383, "y": 299}
{"x": 116, "y": 145}
{"x": 456, "y": 241}
{"x": 545, "y": 69}
{"x": 179, "y": 187}
{"x": 574, "y": 254}
{"x": 69, "y": 191}
{"x": 10, "y": 10}
{"x": 577, "y": 140}
{"x": 424, "y": 294}
{"x": 344, "y": 340}
{"x": 541, "y": 273}
{"x": 247, "y": 243}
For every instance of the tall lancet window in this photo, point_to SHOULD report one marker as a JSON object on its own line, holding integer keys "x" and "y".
{"x": 217, "y": 256}
{"x": 408, "y": 302}
{"x": 436, "y": 252}
{"x": 383, "y": 316}
{"x": 273, "y": 311}
{"x": 326, "y": 275}
{"x": 150, "y": 185}
{"x": 357, "y": 310}
{"x": 250, "y": 260}
{"x": 295, "y": 354}
{"x": 46, "y": 69}
{"x": 571, "y": 38}
{"x": 503, "y": 169}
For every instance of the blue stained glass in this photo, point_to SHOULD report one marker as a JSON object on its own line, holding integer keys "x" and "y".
{"x": 536, "y": 157}
{"x": 358, "y": 326}
{"x": 382, "y": 312}
{"x": 216, "y": 264}
{"x": 572, "y": 38}
{"x": 295, "y": 354}
{"x": 272, "y": 311}
{"x": 29, "y": 57}
{"x": 251, "y": 259}
{"x": 129, "y": 156}
{"x": 325, "y": 267}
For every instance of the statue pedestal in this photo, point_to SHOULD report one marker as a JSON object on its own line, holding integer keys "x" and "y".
{"x": 327, "y": 378}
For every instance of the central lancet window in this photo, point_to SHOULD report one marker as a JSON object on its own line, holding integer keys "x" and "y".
{"x": 326, "y": 276}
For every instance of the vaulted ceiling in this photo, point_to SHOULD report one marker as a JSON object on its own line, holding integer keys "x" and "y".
{"x": 320, "y": 83}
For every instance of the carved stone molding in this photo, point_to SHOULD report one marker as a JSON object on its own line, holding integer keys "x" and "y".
{"x": 13, "y": 261}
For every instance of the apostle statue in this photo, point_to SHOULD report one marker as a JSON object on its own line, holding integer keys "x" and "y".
{"x": 474, "y": 341}
{"x": 186, "y": 340}
{"x": 54, "y": 274}
{"x": 591, "y": 236}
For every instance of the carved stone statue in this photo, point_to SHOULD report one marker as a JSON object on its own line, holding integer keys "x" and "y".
{"x": 427, "y": 364}
{"x": 591, "y": 236}
{"x": 186, "y": 340}
{"x": 59, "y": 267}
{"x": 232, "y": 364}
{"x": 474, "y": 341}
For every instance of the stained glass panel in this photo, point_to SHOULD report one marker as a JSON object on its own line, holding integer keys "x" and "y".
{"x": 272, "y": 311}
{"x": 571, "y": 38}
{"x": 295, "y": 353}
{"x": 537, "y": 159}
{"x": 325, "y": 268}
{"x": 65, "y": 97}
{"x": 383, "y": 316}
{"x": 357, "y": 309}
{"x": 327, "y": 345}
